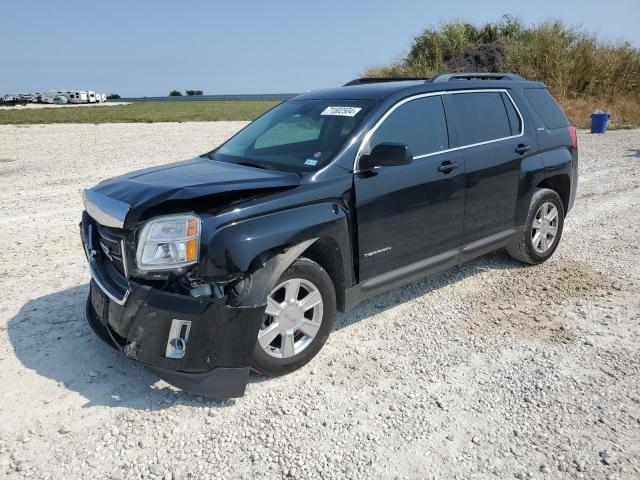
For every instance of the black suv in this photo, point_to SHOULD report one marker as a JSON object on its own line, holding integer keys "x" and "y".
{"x": 238, "y": 259}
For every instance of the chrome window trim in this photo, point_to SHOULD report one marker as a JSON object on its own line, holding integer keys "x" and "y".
{"x": 373, "y": 129}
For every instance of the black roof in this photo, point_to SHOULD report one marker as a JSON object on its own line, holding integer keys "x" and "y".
{"x": 378, "y": 89}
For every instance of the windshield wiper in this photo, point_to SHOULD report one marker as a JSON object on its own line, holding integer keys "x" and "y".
{"x": 255, "y": 165}
{"x": 263, "y": 166}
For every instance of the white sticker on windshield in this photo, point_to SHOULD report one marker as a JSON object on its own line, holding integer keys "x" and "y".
{"x": 341, "y": 111}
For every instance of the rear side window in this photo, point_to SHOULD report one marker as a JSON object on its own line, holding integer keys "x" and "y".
{"x": 546, "y": 108}
{"x": 481, "y": 117}
{"x": 514, "y": 119}
{"x": 421, "y": 124}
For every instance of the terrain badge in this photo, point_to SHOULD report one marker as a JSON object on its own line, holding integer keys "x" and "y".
{"x": 376, "y": 252}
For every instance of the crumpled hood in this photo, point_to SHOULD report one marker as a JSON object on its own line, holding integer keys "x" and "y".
{"x": 121, "y": 201}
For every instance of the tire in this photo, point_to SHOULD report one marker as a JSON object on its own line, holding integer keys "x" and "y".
{"x": 524, "y": 250}
{"x": 276, "y": 357}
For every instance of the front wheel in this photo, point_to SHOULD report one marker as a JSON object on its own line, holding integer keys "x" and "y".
{"x": 300, "y": 312}
{"x": 543, "y": 229}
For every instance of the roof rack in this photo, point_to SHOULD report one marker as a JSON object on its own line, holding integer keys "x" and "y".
{"x": 448, "y": 77}
{"x": 366, "y": 80}
{"x": 443, "y": 77}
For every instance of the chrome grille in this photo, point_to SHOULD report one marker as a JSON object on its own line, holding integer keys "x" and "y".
{"x": 109, "y": 240}
{"x": 110, "y": 248}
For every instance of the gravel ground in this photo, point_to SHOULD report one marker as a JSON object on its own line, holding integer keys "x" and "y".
{"x": 491, "y": 370}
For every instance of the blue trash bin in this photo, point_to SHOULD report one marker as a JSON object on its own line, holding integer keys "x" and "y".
{"x": 599, "y": 122}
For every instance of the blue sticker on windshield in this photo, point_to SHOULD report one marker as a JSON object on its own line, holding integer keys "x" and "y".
{"x": 311, "y": 162}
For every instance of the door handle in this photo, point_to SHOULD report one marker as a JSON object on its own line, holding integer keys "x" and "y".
{"x": 448, "y": 167}
{"x": 522, "y": 149}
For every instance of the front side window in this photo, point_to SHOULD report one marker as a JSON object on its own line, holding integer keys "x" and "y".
{"x": 420, "y": 124}
{"x": 298, "y": 135}
{"x": 481, "y": 117}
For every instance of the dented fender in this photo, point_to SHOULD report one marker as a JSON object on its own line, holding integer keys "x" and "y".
{"x": 231, "y": 250}
{"x": 264, "y": 278}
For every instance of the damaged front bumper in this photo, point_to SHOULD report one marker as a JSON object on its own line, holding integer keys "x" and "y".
{"x": 201, "y": 345}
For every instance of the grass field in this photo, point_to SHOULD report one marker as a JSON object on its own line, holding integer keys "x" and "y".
{"x": 141, "y": 112}
{"x": 625, "y": 112}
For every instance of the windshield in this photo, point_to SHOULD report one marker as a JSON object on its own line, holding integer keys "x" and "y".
{"x": 298, "y": 135}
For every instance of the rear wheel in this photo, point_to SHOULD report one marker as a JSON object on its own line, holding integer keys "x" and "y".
{"x": 300, "y": 312}
{"x": 543, "y": 229}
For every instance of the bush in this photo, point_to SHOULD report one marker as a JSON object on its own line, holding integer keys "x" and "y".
{"x": 478, "y": 58}
{"x": 175, "y": 93}
{"x": 572, "y": 63}
{"x": 194, "y": 92}
{"x": 113, "y": 96}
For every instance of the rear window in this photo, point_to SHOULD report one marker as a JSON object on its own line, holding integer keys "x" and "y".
{"x": 546, "y": 108}
{"x": 481, "y": 117}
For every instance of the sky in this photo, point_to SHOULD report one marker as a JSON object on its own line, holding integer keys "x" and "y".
{"x": 148, "y": 48}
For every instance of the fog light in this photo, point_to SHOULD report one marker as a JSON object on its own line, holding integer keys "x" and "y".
{"x": 178, "y": 337}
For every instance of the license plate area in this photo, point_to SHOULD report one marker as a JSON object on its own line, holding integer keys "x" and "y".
{"x": 99, "y": 302}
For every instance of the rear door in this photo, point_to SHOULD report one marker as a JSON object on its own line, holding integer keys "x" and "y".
{"x": 411, "y": 212}
{"x": 492, "y": 136}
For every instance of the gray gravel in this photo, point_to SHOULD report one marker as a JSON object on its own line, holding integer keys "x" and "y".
{"x": 489, "y": 370}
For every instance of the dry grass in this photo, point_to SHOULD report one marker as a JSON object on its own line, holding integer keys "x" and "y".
{"x": 625, "y": 112}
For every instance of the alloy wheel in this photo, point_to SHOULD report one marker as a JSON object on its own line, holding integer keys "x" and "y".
{"x": 292, "y": 318}
{"x": 545, "y": 228}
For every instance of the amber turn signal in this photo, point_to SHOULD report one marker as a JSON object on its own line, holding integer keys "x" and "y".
{"x": 192, "y": 250}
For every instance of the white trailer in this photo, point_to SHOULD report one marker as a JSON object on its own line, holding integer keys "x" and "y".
{"x": 78, "y": 96}
{"x": 91, "y": 96}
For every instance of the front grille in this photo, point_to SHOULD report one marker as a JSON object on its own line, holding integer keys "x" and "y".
{"x": 110, "y": 247}
{"x": 110, "y": 244}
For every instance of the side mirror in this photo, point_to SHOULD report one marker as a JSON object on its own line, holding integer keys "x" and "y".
{"x": 387, "y": 155}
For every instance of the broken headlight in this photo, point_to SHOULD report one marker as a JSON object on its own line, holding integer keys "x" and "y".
{"x": 170, "y": 242}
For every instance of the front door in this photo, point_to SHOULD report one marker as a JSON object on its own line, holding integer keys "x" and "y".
{"x": 410, "y": 213}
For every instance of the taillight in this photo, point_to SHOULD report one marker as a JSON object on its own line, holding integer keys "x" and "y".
{"x": 574, "y": 136}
